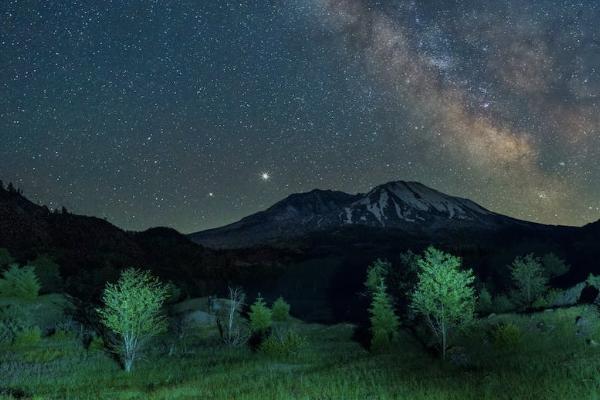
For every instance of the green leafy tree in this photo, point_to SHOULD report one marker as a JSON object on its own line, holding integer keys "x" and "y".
{"x": 5, "y": 258}
{"x": 20, "y": 283}
{"x": 48, "y": 272}
{"x": 376, "y": 272}
{"x": 132, "y": 311}
{"x": 280, "y": 310}
{"x": 529, "y": 278}
{"x": 502, "y": 303}
{"x": 260, "y": 316}
{"x": 484, "y": 302}
{"x": 444, "y": 295}
{"x": 554, "y": 266}
{"x": 384, "y": 322}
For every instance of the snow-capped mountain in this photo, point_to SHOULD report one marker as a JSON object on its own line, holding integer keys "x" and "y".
{"x": 409, "y": 206}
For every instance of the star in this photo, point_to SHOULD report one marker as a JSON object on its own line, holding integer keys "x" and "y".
{"x": 265, "y": 176}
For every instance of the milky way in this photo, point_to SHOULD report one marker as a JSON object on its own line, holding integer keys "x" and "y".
{"x": 171, "y": 113}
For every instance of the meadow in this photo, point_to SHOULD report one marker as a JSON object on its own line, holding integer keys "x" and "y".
{"x": 546, "y": 355}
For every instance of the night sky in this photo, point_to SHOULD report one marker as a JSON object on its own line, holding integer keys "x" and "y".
{"x": 193, "y": 114}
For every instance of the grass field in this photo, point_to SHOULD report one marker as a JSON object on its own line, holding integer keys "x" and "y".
{"x": 548, "y": 359}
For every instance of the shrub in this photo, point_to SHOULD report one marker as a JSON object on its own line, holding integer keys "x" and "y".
{"x": 502, "y": 304}
{"x": 20, "y": 283}
{"x": 529, "y": 278}
{"x": 384, "y": 322}
{"x": 554, "y": 266}
{"x": 280, "y": 310}
{"x": 132, "y": 311}
{"x": 96, "y": 344}
{"x": 260, "y": 316}
{"x": 28, "y": 337}
{"x": 173, "y": 292}
{"x": 484, "y": 302}
{"x": 507, "y": 335}
{"x": 288, "y": 344}
{"x": 12, "y": 320}
{"x": 547, "y": 299}
{"x": 42, "y": 355}
{"x": 593, "y": 281}
{"x": 48, "y": 273}
{"x": 444, "y": 295}
{"x": 63, "y": 334}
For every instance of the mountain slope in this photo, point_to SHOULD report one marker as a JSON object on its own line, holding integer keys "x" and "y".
{"x": 410, "y": 206}
{"x": 91, "y": 250}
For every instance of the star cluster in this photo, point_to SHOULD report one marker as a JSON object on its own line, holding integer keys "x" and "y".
{"x": 194, "y": 114}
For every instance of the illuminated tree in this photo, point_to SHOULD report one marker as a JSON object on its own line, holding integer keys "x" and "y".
{"x": 376, "y": 272}
{"x": 444, "y": 295}
{"x": 280, "y": 310}
{"x": 132, "y": 310}
{"x": 384, "y": 322}
{"x": 260, "y": 316}
{"x": 529, "y": 278}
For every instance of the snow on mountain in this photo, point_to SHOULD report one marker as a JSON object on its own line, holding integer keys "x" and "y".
{"x": 400, "y": 205}
{"x": 410, "y": 202}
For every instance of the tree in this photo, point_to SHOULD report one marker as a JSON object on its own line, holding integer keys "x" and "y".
{"x": 19, "y": 282}
{"x": 260, "y": 316}
{"x": 376, "y": 272}
{"x": 5, "y": 258}
{"x": 132, "y": 311}
{"x": 484, "y": 302}
{"x": 554, "y": 266}
{"x": 48, "y": 272}
{"x": 529, "y": 278}
{"x": 233, "y": 331}
{"x": 444, "y": 295}
{"x": 384, "y": 322}
{"x": 280, "y": 310}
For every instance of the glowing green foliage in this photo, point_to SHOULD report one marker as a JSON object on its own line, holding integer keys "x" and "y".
{"x": 280, "y": 310}
{"x": 444, "y": 295}
{"x": 384, "y": 322}
{"x": 260, "y": 316}
{"x": 376, "y": 272}
{"x": 132, "y": 310}
{"x": 288, "y": 344}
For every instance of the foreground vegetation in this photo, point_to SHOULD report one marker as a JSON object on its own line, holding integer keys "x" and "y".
{"x": 544, "y": 359}
{"x": 426, "y": 341}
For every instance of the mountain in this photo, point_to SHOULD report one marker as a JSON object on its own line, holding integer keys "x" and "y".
{"x": 312, "y": 248}
{"x": 91, "y": 250}
{"x": 409, "y": 206}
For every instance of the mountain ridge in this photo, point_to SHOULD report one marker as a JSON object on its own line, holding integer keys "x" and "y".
{"x": 407, "y": 205}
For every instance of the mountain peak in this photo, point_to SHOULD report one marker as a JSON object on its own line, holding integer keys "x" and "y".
{"x": 405, "y": 205}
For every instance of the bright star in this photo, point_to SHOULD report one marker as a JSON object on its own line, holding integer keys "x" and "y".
{"x": 265, "y": 176}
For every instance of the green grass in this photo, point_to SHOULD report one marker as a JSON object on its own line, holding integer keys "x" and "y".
{"x": 549, "y": 362}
